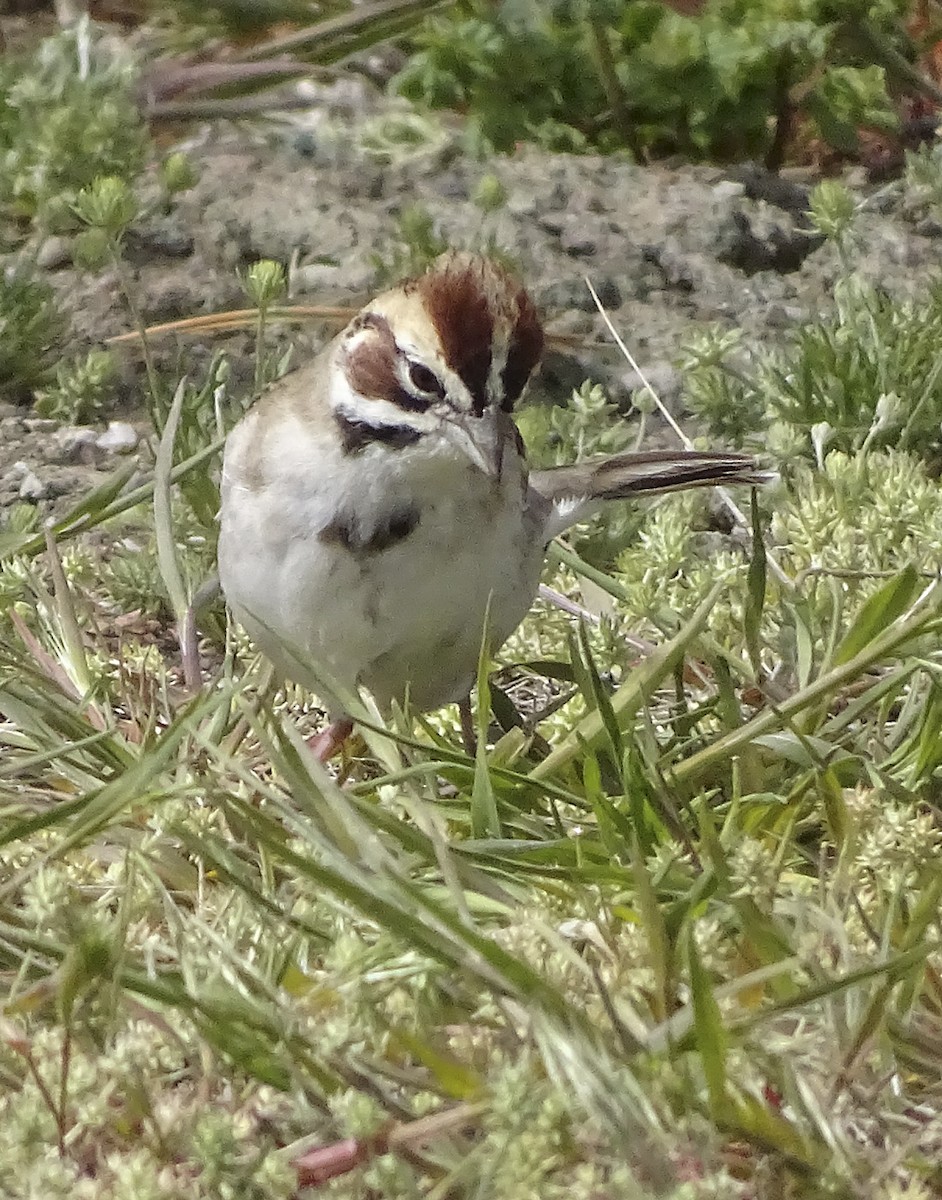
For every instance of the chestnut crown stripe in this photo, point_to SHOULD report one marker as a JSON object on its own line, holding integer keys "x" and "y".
{"x": 525, "y": 350}
{"x": 465, "y": 297}
{"x": 459, "y": 307}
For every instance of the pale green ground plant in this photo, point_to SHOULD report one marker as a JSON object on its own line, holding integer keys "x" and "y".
{"x": 418, "y": 240}
{"x": 687, "y": 948}
{"x": 30, "y": 326}
{"x": 67, "y": 117}
{"x": 73, "y": 150}
{"x": 838, "y": 378}
{"x": 82, "y": 390}
{"x": 70, "y": 132}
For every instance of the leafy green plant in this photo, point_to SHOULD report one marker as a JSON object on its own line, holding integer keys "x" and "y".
{"x": 719, "y": 389}
{"x": 72, "y": 147}
{"x": 30, "y": 326}
{"x": 133, "y": 581}
{"x": 593, "y": 74}
{"x": 265, "y": 284}
{"x": 588, "y": 424}
{"x": 418, "y": 242}
{"x": 922, "y": 181}
{"x": 854, "y": 367}
{"x": 82, "y": 391}
{"x": 67, "y": 116}
{"x": 865, "y": 375}
{"x": 106, "y": 210}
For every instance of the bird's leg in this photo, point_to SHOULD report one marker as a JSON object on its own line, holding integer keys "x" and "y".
{"x": 466, "y": 716}
{"x": 324, "y": 745}
{"x": 189, "y": 638}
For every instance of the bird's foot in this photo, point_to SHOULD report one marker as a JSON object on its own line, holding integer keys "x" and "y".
{"x": 324, "y": 745}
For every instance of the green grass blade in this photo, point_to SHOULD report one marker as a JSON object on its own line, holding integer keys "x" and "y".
{"x": 633, "y": 693}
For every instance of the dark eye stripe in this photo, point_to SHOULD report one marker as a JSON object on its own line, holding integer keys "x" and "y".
{"x": 406, "y": 400}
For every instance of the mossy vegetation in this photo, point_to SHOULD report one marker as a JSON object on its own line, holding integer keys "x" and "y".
{"x": 673, "y": 932}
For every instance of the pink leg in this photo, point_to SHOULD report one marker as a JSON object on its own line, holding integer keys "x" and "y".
{"x": 468, "y": 733}
{"x": 324, "y": 745}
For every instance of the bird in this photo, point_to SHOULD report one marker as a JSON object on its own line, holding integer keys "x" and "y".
{"x": 377, "y": 509}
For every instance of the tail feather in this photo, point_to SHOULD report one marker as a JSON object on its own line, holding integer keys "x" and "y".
{"x": 574, "y": 492}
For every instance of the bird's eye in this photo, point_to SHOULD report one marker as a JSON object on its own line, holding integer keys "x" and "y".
{"x": 423, "y": 378}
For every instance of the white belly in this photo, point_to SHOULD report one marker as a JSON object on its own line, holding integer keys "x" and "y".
{"x": 407, "y": 618}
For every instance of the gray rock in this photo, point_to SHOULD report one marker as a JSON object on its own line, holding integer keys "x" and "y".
{"x": 346, "y": 278}
{"x": 118, "y": 438}
{"x": 160, "y": 237}
{"x": 170, "y": 299}
{"x": 663, "y": 377}
{"x": 783, "y": 316}
{"x": 557, "y": 200}
{"x": 371, "y": 185}
{"x": 929, "y": 227}
{"x": 609, "y": 292}
{"x": 54, "y": 252}
{"x": 763, "y": 241}
{"x": 553, "y": 225}
{"x": 522, "y": 203}
{"x": 14, "y": 473}
{"x": 33, "y": 488}
{"x": 560, "y": 375}
{"x": 577, "y": 243}
{"x": 72, "y": 444}
{"x": 454, "y": 185}
{"x": 562, "y": 294}
{"x": 727, "y": 190}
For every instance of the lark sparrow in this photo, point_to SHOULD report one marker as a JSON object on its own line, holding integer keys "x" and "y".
{"x": 376, "y": 503}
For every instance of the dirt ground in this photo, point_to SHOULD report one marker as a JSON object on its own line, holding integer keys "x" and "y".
{"x": 668, "y": 248}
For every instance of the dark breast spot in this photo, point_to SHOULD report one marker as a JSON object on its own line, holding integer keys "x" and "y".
{"x": 400, "y": 525}
{"x": 345, "y": 529}
{"x": 356, "y": 435}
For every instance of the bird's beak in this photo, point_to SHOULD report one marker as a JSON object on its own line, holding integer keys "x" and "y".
{"x": 482, "y": 439}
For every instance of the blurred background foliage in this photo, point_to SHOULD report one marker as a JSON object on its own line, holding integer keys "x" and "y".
{"x": 721, "y": 79}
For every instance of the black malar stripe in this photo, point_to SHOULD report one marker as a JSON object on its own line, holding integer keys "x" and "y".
{"x": 356, "y": 434}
